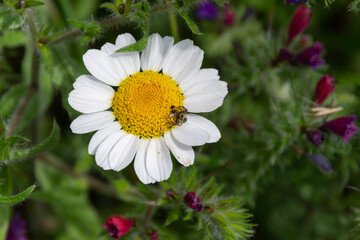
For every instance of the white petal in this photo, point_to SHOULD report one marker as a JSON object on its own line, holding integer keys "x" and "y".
{"x": 202, "y": 76}
{"x": 100, "y": 136}
{"x": 130, "y": 61}
{"x": 155, "y": 51}
{"x": 104, "y": 67}
{"x": 158, "y": 160}
{"x": 123, "y": 152}
{"x": 88, "y": 100}
{"x": 177, "y": 58}
{"x": 190, "y": 134}
{"x": 86, "y": 123}
{"x": 140, "y": 162}
{"x": 214, "y": 87}
{"x": 102, "y": 153}
{"x": 206, "y": 125}
{"x": 192, "y": 66}
{"x": 91, "y": 81}
{"x": 203, "y": 102}
{"x": 183, "y": 153}
{"x": 108, "y": 48}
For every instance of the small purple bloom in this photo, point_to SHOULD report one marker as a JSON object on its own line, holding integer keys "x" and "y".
{"x": 342, "y": 126}
{"x": 284, "y": 55}
{"x": 295, "y": 1}
{"x": 118, "y": 226}
{"x": 321, "y": 162}
{"x": 207, "y": 10}
{"x": 193, "y": 201}
{"x": 315, "y": 137}
{"x": 324, "y": 88}
{"x": 300, "y": 20}
{"x": 310, "y": 56}
{"x": 17, "y": 228}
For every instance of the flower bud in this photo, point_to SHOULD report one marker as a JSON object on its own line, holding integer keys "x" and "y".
{"x": 207, "y": 10}
{"x": 118, "y": 226}
{"x": 315, "y": 136}
{"x": 284, "y": 55}
{"x": 153, "y": 234}
{"x": 310, "y": 56}
{"x": 229, "y": 18}
{"x": 17, "y": 228}
{"x": 193, "y": 201}
{"x": 300, "y": 20}
{"x": 342, "y": 126}
{"x": 324, "y": 88}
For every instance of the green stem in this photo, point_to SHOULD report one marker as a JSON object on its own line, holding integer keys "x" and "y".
{"x": 174, "y": 26}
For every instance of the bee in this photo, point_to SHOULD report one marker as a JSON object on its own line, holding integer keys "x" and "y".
{"x": 179, "y": 113}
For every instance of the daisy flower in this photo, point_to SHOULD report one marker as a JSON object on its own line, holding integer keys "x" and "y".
{"x": 142, "y": 105}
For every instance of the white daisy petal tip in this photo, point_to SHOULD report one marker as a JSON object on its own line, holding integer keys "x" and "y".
{"x": 120, "y": 101}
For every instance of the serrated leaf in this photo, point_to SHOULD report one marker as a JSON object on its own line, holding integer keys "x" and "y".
{"x": 46, "y": 56}
{"x": 31, "y": 3}
{"x": 15, "y": 199}
{"x": 10, "y": 99}
{"x": 49, "y": 142}
{"x": 191, "y": 24}
{"x": 173, "y": 216}
{"x": 138, "y": 46}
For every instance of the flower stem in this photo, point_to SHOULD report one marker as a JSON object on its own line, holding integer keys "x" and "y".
{"x": 174, "y": 26}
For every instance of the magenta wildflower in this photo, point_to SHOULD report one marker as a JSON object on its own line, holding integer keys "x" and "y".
{"x": 193, "y": 201}
{"x": 207, "y": 10}
{"x": 310, "y": 56}
{"x": 300, "y": 20}
{"x": 315, "y": 137}
{"x": 342, "y": 126}
{"x": 324, "y": 88}
{"x": 17, "y": 228}
{"x": 118, "y": 226}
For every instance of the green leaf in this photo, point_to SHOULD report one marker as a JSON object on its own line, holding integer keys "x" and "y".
{"x": 110, "y": 6}
{"x": 31, "y": 3}
{"x": 138, "y": 46}
{"x": 49, "y": 142}
{"x": 46, "y": 56}
{"x": 221, "y": 2}
{"x": 354, "y": 6}
{"x": 12, "y": 38}
{"x": 10, "y": 100}
{"x": 192, "y": 25}
{"x": 10, "y": 19}
{"x": 2, "y": 127}
{"x": 77, "y": 24}
{"x": 15, "y": 199}
{"x": 174, "y": 215}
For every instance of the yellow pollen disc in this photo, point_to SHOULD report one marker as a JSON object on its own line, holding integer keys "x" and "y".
{"x": 142, "y": 103}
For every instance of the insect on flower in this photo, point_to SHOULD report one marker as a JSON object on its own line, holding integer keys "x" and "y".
{"x": 179, "y": 115}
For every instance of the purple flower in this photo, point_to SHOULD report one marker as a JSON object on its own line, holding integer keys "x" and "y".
{"x": 193, "y": 201}
{"x": 310, "y": 56}
{"x": 300, "y": 20}
{"x": 118, "y": 226}
{"x": 207, "y": 10}
{"x": 324, "y": 88}
{"x": 295, "y": 1}
{"x": 17, "y": 228}
{"x": 321, "y": 162}
{"x": 315, "y": 137}
{"x": 342, "y": 126}
{"x": 284, "y": 55}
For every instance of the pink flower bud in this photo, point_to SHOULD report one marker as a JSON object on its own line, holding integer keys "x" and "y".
{"x": 118, "y": 226}
{"x": 229, "y": 18}
{"x": 193, "y": 201}
{"x": 324, "y": 88}
{"x": 153, "y": 234}
{"x": 300, "y": 20}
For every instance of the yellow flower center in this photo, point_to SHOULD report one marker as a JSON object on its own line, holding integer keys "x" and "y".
{"x": 143, "y": 103}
